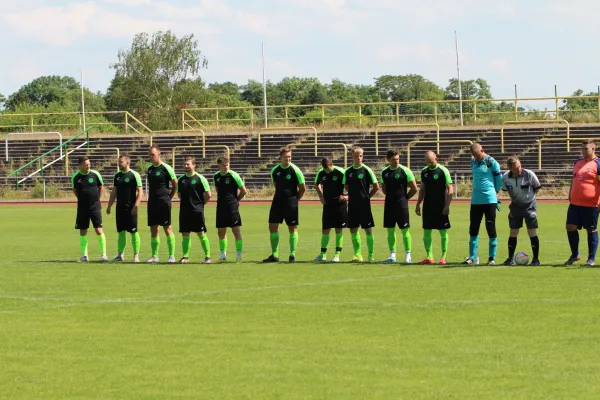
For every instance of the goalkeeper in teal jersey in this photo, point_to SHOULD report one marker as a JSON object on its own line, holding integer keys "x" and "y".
{"x": 487, "y": 182}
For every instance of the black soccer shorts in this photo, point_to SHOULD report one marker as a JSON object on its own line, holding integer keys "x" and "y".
{"x": 126, "y": 221}
{"x": 192, "y": 222}
{"x": 84, "y": 216}
{"x": 335, "y": 215}
{"x": 360, "y": 215}
{"x": 159, "y": 212}
{"x": 284, "y": 211}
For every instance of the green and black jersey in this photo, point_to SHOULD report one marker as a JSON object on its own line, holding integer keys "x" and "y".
{"x": 332, "y": 183}
{"x": 359, "y": 181}
{"x": 126, "y": 184}
{"x": 159, "y": 181}
{"x": 87, "y": 187}
{"x": 434, "y": 180}
{"x": 286, "y": 181}
{"x": 227, "y": 187}
{"x": 192, "y": 189}
{"x": 396, "y": 182}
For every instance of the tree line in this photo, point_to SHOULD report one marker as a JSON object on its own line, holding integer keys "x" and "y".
{"x": 161, "y": 73}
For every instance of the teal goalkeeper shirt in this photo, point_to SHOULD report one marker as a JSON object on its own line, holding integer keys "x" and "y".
{"x": 487, "y": 181}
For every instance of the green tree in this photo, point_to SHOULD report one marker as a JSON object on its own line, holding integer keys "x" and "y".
{"x": 590, "y": 103}
{"x": 147, "y": 74}
{"x": 43, "y": 91}
{"x": 2, "y": 101}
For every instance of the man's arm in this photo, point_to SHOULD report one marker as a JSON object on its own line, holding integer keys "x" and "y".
{"x": 301, "y": 190}
{"x": 139, "y": 193}
{"x": 173, "y": 187}
{"x": 374, "y": 189}
{"x": 111, "y": 200}
{"x": 413, "y": 189}
{"x": 243, "y": 192}
{"x": 420, "y": 198}
{"x": 497, "y": 176}
{"x": 319, "y": 193}
{"x": 101, "y": 192}
{"x": 206, "y": 197}
{"x": 449, "y": 197}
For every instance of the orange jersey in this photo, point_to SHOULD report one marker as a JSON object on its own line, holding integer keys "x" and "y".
{"x": 586, "y": 184}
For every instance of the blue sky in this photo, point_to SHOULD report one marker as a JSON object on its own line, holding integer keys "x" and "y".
{"x": 534, "y": 44}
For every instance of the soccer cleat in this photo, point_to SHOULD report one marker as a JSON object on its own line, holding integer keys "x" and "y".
{"x": 590, "y": 262}
{"x": 104, "y": 258}
{"x": 390, "y": 260}
{"x": 371, "y": 258}
{"x": 509, "y": 262}
{"x": 136, "y": 258}
{"x": 336, "y": 258}
{"x": 573, "y": 259}
{"x": 153, "y": 260}
{"x": 491, "y": 261}
{"x": 223, "y": 256}
{"x": 443, "y": 261}
{"x": 535, "y": 262}
{"x": 271, "y": 259}
{"x": 408, "y": 259}
{"x": 238, "y": 258}
{"x": 427, "y": 261}
{"x": 171, "y": 260}
{"x": 119, "y": 258}
{"x": 83, "y": 258}
{"x": 292, "y": 259}
{"x": 469, "y": 261}
{"x": 320, "y": 258}
{"x": 184, "y": 260}
{"x": 357, "y": 258}
{"x": 207, "y": 260}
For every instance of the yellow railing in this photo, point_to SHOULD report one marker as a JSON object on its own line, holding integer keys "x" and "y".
{"x": 568, "y": 140}
{"x": 404, "y": 126}
{"x": 539, "y": 121}
{"x": 345, "y": 146}
{"x": 415, "y": 142}
{"x": 210, "y": 146}
{"x": 67, "y": 153}
{"x": 263, "y": 130}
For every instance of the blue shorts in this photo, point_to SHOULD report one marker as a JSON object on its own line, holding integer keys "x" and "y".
{"x": 586, "y": 217}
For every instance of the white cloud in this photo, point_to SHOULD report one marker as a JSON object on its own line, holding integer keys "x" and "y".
{"x": 499, "y": 64}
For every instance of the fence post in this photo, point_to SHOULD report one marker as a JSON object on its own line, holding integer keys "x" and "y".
{"x": 398, "y": 113}
{"x": 217, "y": 118}
{"x": 285, "y": 115}
{"x": 360, "y": 115}
{"x": 516, "y": 110}
{"x": 475, "y": 111}
{"x": 126, "y": 122}
{"x": 322, "y": 115}
{"x": 31, "y": 123}
{"x": 251, "y": 119}
{"x": 435, "y": 112}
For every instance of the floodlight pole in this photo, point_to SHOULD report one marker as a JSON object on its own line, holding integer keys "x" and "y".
{"x": 458, "y": 74}
{"x": 264, "y": 83}
{"x": 82, "y": 102}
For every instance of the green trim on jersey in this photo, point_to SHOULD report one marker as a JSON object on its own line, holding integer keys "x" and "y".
{"x": 236, "y": 177}
{"x": 335, "y": 168}
{"x": 299, "y": 174}
{"x": 409, "y": 175}
{"x": 92, "y": 171}
{"x": 369, "y": 170}
{"x": 444, "y": 170}
{"x": 317, "y": 176}
{"x": 138, "y": 178}
{"x": 203, "y": 181}
{"x": 167, "y": 167}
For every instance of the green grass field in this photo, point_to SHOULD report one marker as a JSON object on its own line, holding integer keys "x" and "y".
{"x": 302, "y": 331}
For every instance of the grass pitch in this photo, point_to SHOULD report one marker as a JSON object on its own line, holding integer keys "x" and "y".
{"x": 302, "y": 331}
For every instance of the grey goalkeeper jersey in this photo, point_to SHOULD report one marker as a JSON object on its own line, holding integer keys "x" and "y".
{"x": 521, "y": 188}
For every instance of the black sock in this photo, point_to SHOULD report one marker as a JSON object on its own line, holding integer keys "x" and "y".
{"x": 573, "y": 242}
{"x": 535, "y": 246}
{"x": 512, "y": 246}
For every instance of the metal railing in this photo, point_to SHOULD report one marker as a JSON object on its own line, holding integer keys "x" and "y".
{"x": 415, "y": 142}
{"x": 404, "y": 125}
{"x": 540, "y": 121}
{"x": 203, "y": 147}
{"x": 16, "y": 172}
{"x": 68, "y": 153}
{"x": 345, "y": 146}
{"x": 60, "y": 139}
{"x": 567, "y": 139}
{"x": 263, "y": 130}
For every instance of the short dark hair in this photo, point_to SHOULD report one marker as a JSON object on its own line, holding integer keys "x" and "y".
{"x": 326, "y": 162}
{"x": 589, "y": 141}
{"x": 190, "y": 158}
{"x": 391, "y": 153}
{"x": 283, "y": 150}
{"x": 221, "y": 160}
{"x": 125, "y": 156}
{"x": 82, "y": 159}
{"x": 155, "y": 147}
{"x": 510, "y": 161}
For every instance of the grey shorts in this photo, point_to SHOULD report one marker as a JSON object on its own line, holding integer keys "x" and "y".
{"x": 517, "y": 214}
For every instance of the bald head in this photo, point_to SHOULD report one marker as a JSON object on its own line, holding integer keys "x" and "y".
{"x": 431, "y": 159}
{"x": 477, "y": 151}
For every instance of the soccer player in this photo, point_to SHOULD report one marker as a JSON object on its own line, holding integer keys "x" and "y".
{"x": 88, "y": 188}
{"x": 162, "y": 186}
{"x": 230, "y": 190}
{"x": 194, "y": 192}
{"x": 330, "y": 188}
{"x": 361, "y": 184}
{"x": 395, "y": 182}
{"x": 487, "y": 182}
{"x": 127, "y": 190}
{"x": 436, "y": 194}
{"x": 583, "y": 203}
{"x": 522, "y": 186}
{"x": 289, "y": 189}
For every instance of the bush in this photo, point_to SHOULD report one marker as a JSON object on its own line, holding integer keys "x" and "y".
{"x": 37, "y": 192}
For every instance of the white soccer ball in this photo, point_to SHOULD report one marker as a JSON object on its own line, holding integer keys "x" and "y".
{"x": 521, "y": 258}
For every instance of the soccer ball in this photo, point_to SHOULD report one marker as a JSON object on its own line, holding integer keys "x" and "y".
{"x": 522, "y": 258}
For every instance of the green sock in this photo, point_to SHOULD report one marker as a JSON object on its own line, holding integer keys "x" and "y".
{"x": 324, "y": 244}
{"x": 427, "y": 242}
{"x": 205, "y": 243}
{"x": 293, "y": 243}
{"x": 391, "y": 236}
{"x": 121, "y": 242}
{"x": 356, "y": 244}
{"x": 371, "y": 244}
{"x": 136, "y": 242}
{"x": 239, "y": 245}
{"x": 407, "y": 239}
{"x": 155, "y": 244}
{"x": 186, "y": 246}
{"x": 171, "y": 244}
{"x": 223, "y": 245}
{"x": 339, "y": 243}
{"x": 83, "y": 243}
{"x": 275, "y": 244}
{"x": 445, "y": 241}
{"x": 102, "y": 243}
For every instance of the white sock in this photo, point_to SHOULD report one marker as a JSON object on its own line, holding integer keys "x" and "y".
{"x": 393, "y": 254}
